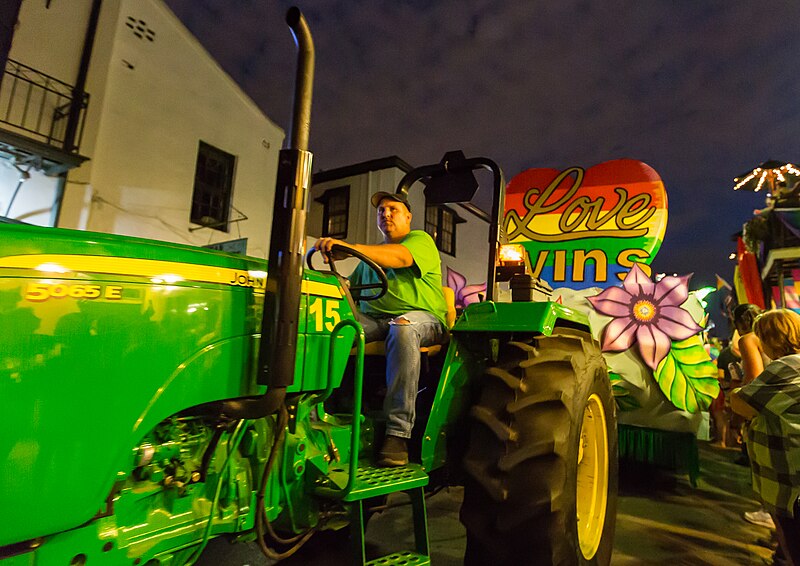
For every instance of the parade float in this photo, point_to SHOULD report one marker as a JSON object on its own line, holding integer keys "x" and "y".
{"x": 768, "y": 250}
{"x": 592, "y": 234}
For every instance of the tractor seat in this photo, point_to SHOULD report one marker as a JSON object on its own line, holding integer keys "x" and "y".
{"x": 379, "y": 348}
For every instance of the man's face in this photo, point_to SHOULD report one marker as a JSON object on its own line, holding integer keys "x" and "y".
{"x": 394, "y": 219}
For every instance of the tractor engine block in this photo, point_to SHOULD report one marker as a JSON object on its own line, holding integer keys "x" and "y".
{"x": 173, "y": 454}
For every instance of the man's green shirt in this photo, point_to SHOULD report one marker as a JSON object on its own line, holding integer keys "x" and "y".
{"x": 414, "y": 288}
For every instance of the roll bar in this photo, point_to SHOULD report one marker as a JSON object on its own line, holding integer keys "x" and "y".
{"x": 495, "y": 219}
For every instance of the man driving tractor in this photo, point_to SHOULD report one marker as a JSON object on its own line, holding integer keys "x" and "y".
{"x": 410, "y": 315}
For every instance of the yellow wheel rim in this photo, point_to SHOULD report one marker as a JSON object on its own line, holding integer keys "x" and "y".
{"x": 592, "y": 488}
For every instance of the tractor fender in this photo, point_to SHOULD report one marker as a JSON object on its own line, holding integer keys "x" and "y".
{"x": 95, "y": 448}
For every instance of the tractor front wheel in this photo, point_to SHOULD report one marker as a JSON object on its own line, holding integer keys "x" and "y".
{"x": 542, "y": 459}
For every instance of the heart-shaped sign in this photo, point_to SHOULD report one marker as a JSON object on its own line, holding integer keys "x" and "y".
{"x": 586, "y": 228}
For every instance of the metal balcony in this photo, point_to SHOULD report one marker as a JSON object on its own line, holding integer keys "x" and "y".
{"x": 41, "y": 118}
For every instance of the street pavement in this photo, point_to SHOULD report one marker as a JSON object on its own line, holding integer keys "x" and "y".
{"x": 661, "y": 519}
{"x": 664, "y": 520}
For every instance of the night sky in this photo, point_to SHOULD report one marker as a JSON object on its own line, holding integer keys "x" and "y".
{"x": 699, "y": 90}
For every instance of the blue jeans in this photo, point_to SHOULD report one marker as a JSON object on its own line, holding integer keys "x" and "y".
{"x": 404, "y": 335}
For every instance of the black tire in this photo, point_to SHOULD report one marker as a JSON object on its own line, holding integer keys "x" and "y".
{"x": 521, "y": 494}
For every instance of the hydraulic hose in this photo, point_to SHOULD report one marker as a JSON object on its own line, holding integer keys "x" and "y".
{"x": 236, "y": 438}
{"x": 262, "y": 522}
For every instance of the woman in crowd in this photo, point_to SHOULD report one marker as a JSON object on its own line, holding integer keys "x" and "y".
{"x": 772, "y": 401}
{"x": 720, "y": 408}
{"x": 752, "y": 363}
{"x": 753, "y": 357}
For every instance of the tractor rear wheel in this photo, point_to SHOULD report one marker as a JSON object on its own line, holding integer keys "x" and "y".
{"x": 542, "y": 461}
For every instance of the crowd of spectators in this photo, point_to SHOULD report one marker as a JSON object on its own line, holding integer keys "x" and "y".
{"x": 759, "y": 410}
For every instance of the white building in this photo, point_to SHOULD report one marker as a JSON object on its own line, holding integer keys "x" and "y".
{"x": 340, "y": 207}
{"x": 167, "y": 147}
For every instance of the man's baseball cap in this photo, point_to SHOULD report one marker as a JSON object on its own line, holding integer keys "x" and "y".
{"x": 398, "y": 197}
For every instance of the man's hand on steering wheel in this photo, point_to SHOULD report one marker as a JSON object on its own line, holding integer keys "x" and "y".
{"x": 340, "y": 250}
{"x": 324, "y": 246}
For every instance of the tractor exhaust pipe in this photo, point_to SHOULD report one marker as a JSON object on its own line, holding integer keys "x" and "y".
{"x": 285, "y": 269}
{"x": 278, "y": 348}
{"x": 304, "y": 80}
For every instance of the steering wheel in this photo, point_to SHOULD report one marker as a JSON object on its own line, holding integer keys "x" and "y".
{"x": 355, "y": 290}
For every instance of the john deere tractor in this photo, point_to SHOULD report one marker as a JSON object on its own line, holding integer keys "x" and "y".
{"x": 155, "y": 395}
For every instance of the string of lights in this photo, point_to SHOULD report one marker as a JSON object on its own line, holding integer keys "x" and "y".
{"x": 767, "y": 175}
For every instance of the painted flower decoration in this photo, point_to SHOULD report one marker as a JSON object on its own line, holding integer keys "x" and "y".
{"x": 647, "y": 313}
{"x": 465, "y": 294}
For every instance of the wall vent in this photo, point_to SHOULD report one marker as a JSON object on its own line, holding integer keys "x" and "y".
{"x": 140, "y": 29}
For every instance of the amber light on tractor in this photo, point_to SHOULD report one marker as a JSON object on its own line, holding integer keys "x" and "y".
{"x": 511, "y": 261}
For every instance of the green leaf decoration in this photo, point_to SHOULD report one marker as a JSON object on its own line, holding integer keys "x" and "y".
{"x": 622, "y": 396}
{"x": 687, "y": 376}
{"x": 625, "y": 401}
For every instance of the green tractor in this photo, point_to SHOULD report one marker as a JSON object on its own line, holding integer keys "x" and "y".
{"x": 156, "y": 395}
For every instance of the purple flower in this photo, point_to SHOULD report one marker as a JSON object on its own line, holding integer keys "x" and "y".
{"x": 647, "y": 313}
{"x": 465, "y": 294}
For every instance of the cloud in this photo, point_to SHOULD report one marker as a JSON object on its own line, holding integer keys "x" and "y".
{"x": 699, "y": 90}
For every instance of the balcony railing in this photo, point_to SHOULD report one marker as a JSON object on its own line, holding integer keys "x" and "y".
{"x": 41, "y": 106}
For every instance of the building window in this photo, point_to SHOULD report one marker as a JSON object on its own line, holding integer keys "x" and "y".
{"x": 213, "y": 187}
{"x": 440, "y": 223}
{"x": 335, "y": 203}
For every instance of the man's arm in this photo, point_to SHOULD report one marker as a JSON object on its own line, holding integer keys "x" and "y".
{"x": 740, "y": 406}
{"x": 386, "y": 255}
{"x": 752, "y": 362}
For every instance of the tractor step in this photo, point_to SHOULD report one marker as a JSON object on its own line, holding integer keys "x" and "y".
{"x": 373, "y": 481}
{"x": 401, "y": 559}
